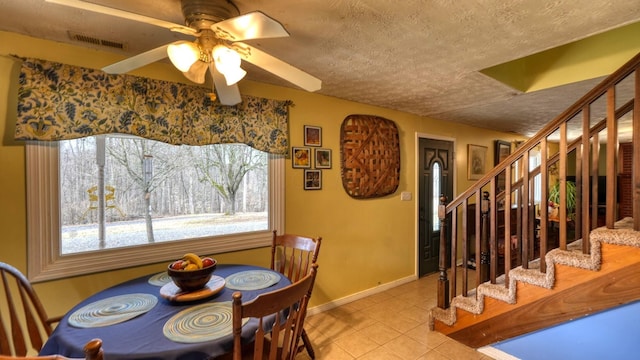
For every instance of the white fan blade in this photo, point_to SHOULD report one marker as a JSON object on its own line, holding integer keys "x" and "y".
{"x": 228, "y": 95}
{"x": 137, "y": 61}
{"x": 78, "y": 4}
{"x": 254, "y": 25}
{"x": 279, "y": 68}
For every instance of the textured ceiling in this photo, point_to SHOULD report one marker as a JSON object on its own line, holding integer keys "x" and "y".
{"x": 417, "y": 56}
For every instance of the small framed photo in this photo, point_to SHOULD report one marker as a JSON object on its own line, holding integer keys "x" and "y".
{"x": 476, "y": 161}
{"x": 502, "y": 151}
{"x": 312, "y": 135}
{"x": 313, "y": 179}
{"x": 323, "y": 158}
{"x": 301, "y": 157}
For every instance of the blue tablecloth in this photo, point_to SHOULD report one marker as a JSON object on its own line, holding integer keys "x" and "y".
{"x": 142, "y": 337}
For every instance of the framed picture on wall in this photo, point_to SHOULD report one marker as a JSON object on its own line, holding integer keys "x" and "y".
{"x": 476, "y": 161}
{"x": 313, "y": 179}
{"x": 312, "y": 135}
{"x": 502, "y": 151}
{"x": 301, "y": 157}
{"x": 323, "y": 158}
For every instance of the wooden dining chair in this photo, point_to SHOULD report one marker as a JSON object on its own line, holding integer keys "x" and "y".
{"x": 292, "y": 256}
{"x": 280, "y": 315}
{"x": 92, "y": 351}
{"x": 24, "y": 324}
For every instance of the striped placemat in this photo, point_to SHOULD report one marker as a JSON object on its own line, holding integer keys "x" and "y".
{"x": 160, "y": 279}
{"x": 112, "y": 310}
{"x": 252, "y": 280}
{"x": 200, "y": 323}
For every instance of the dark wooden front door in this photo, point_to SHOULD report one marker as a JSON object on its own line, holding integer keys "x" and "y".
{"x": 435, "y": 173}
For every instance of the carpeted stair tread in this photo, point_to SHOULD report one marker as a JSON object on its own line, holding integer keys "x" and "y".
{"x": 621, "y": 234}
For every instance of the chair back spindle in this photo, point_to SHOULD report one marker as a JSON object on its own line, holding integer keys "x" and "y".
{"x": 24, "y": 324}
{"x": 280, "y": 315}
{"x": 292, "y": 256}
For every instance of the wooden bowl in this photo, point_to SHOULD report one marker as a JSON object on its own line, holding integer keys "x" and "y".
{"x": 191, "y": 280}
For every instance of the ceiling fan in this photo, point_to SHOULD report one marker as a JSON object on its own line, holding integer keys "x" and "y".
{"x": 218, "y": 29}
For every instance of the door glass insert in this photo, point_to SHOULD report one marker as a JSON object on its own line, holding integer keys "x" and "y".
{"x": 435, "y": 194}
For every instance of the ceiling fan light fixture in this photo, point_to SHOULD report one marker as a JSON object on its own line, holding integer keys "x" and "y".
{"x": 227, "y": 62}
{"x": 183, "y": 54}
{"x": 197, "y": 72}
{"x": 234, "y": 75}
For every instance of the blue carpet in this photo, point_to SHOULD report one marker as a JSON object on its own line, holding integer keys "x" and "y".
{"x": 610, "y": 334}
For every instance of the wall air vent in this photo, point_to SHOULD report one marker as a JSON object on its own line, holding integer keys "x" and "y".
{"x": 96, "y": 41}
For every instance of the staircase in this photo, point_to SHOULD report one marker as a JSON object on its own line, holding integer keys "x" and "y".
{"x": 532, "y": 282}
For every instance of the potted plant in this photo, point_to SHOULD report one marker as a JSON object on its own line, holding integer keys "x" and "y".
{"x": 554, "y": 197}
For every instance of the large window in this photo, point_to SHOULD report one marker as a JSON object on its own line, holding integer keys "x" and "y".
{"x": 107, "y": 202}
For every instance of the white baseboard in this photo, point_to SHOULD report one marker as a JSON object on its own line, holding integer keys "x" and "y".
{"x": 496, "y": 354}
{"x": 357, "y": 296}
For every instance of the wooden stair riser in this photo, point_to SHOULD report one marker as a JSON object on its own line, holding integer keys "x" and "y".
{"x": 576, "y": 292}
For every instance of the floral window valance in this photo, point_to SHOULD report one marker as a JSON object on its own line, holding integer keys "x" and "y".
{"x": 58, "y": 102}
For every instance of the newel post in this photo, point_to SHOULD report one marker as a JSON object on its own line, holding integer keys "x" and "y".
{"x": 484, "y": 238}
{"x": 443, "y": 282}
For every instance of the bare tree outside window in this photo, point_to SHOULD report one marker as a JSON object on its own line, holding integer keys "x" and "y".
{"x": 148, "y": 165}
{"x": 224, "y": 167}
{"x": 136, "y": 191}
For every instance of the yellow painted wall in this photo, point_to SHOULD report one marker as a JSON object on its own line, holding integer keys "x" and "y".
{"x": 366, "y": 242}
{"x": 588, "y": 58}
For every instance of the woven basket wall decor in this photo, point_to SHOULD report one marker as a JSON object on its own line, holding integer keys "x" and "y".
{"x": 369, "y": 156}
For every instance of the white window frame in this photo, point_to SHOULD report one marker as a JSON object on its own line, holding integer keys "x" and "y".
{"x": 43, "y": 226}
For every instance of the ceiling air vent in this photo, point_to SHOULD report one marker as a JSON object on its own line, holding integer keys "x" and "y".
{"x": 96, "y": 41}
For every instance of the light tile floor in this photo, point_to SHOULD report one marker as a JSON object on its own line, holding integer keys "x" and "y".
{"x": 390, "y": 325}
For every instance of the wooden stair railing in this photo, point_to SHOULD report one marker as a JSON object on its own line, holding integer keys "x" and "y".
{"x": 618, "y": 96}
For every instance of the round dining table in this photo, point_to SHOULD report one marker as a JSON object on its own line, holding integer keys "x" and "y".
{"x": 150, "y": 333}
